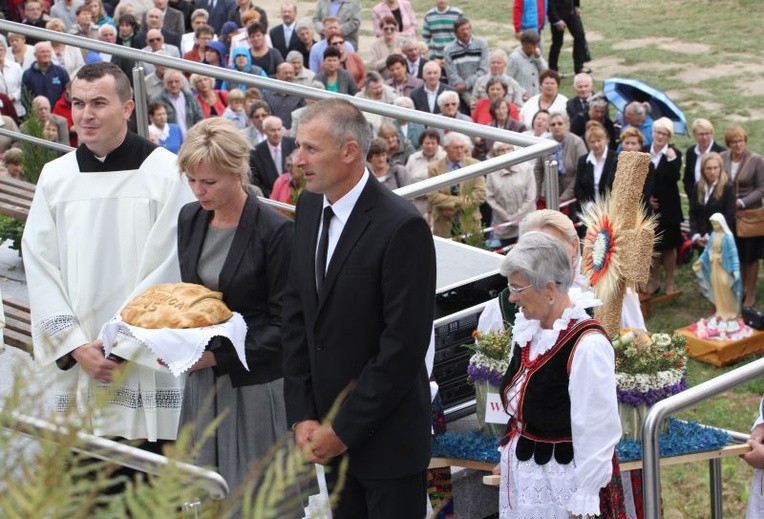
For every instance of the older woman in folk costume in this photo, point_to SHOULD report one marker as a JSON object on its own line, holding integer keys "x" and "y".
{"x": 558, "y": 453}
{"x": 718, "y": 270}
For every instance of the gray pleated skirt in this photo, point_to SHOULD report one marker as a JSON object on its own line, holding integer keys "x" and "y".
{"x": 255, "y": 419}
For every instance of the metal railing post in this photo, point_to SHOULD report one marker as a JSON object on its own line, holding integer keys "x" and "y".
{"x": 715, "y": 487}
{"x": 141, "y": 110}
{"x": 651, "y": 473}
{"x": 552, "y": 185}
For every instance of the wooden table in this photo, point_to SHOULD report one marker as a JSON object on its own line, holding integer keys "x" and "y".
{"x": 724, "y": 452}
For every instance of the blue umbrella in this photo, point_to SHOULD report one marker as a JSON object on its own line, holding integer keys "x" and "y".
{"x": 622, "y": 91}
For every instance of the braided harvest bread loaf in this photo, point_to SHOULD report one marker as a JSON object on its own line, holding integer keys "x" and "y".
{"x": 176, "y": 305}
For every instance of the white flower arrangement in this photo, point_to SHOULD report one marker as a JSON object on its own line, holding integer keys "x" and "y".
{"x": 643, "y": 382}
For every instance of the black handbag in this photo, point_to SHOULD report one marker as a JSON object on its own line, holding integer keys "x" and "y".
{"x": 753, "y": 318}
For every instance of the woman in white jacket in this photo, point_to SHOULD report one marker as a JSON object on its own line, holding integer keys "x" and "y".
{"x": 511, "y": 193}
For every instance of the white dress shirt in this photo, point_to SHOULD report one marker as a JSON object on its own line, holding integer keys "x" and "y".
{"x": 342, "y": 209}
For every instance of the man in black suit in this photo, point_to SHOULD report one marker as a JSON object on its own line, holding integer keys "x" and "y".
{"x": 703, "y": 133}
{"x": 425, "y": 97}
{"x": 218, "y": 9}
{"x": 155, "y": 20}
{"x": 358, "y": 317}
{"x": 284, "y": 36}
{"x": 414, "y": 61}
{"x": 268, "y": 160}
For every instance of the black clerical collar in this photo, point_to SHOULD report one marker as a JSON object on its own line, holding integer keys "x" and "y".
{"x": 128, "y": 155}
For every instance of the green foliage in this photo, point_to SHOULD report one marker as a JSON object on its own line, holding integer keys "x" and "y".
{"x": 637, "y": 353}
{"x": 493, "y": 345}
{"x": 11, "y": 229}
{"x": 35, "y": 157}
{"x": 50, "y": 481}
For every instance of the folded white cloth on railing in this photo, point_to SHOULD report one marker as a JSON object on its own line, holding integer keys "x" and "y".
{"x": 179, "y": 349}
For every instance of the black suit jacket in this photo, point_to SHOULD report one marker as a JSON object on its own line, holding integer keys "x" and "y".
{"x": 584, "y": 185}
{"x": 279, "y": 42}
{"x": 690, "y": 160}
{"x": 253, "y": 280}
{"x": 263, "y": 172}
{"x": 665, "y": 189}
{"x": 370, "y": 325}
{"x": 419, "y": 70}
{"x": 419, "y": 96}
{"x": 701, "y": 212}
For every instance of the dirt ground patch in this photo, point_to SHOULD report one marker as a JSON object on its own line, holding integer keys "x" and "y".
{"x": 669, "y": 44}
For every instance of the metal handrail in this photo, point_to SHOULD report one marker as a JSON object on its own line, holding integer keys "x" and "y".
{"x": 57, "y": 146}
{"x": 211, "y": 482}
{"x": 665, "y": 408}
{"x": 534, "y": 146}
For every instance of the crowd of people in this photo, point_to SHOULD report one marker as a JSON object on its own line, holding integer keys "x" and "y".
{"x": 429, "y": 61}
{"x": 235, "y": 141}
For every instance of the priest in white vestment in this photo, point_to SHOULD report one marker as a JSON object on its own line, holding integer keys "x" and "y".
{"x": 101, "y": 229}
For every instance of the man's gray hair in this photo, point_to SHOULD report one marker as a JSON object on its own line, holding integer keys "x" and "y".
{"x": 541, "y": 259}
{"x": 498, "y": 53}
{"x": 403, "y": 101}
{"x": 343, "y": 122}
{"x": 636, "y": 108}
{"x": 200, "y": 13}
{"x": 106, "y": 27}
{"x": 456, "y": 138}
{"x": 562, "y": 114}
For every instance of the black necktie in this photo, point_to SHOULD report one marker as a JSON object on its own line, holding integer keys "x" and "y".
{"x": 323, "y": 248}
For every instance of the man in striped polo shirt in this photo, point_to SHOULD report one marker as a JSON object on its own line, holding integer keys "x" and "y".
{"x": 438, "y": 27}
{"x": 466, "y": 60}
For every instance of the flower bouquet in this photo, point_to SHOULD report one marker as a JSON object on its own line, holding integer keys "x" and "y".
{"x": 649, "y": 368}
{"x": 487, "y": 365}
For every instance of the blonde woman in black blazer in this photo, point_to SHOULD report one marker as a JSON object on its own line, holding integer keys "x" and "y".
{"x": 229, "y": 242}
{"x": 600, "y": 159}
{"x": 714, "y": 193}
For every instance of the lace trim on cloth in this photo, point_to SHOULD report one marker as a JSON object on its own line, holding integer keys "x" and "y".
{"x": 135, "y": 399}
{"x": 525, "y": 330}
{"x": 130, "y": 398}
{"x": 52, "y": 326}
{"x": 535, "y": 491}
{"x": 65, "y": 402}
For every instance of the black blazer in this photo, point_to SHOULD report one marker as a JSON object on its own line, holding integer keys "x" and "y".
{"x": 666, "y": 190}
{"x": 263, "y": 172}
{"x": 419, "y": 96}
{"x": 690, "y": 160}
{"x": 279, "y": 43}
{"x": 371, "y": 325}
{"x": 701, "y": 212}
{"x": 253, "y": 280}
{"x": 584, "y": 184}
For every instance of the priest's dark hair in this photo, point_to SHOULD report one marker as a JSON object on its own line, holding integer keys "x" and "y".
{"x": 100, "y": 69}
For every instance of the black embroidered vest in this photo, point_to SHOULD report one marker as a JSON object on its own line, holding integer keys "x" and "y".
{"x": 544, "y": 406}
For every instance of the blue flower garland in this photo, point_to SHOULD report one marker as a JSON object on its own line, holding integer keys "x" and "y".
{"x": 680, "y": 438}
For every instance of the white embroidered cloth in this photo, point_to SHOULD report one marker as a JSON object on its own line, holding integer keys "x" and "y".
{"x": 179, "y": 349}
